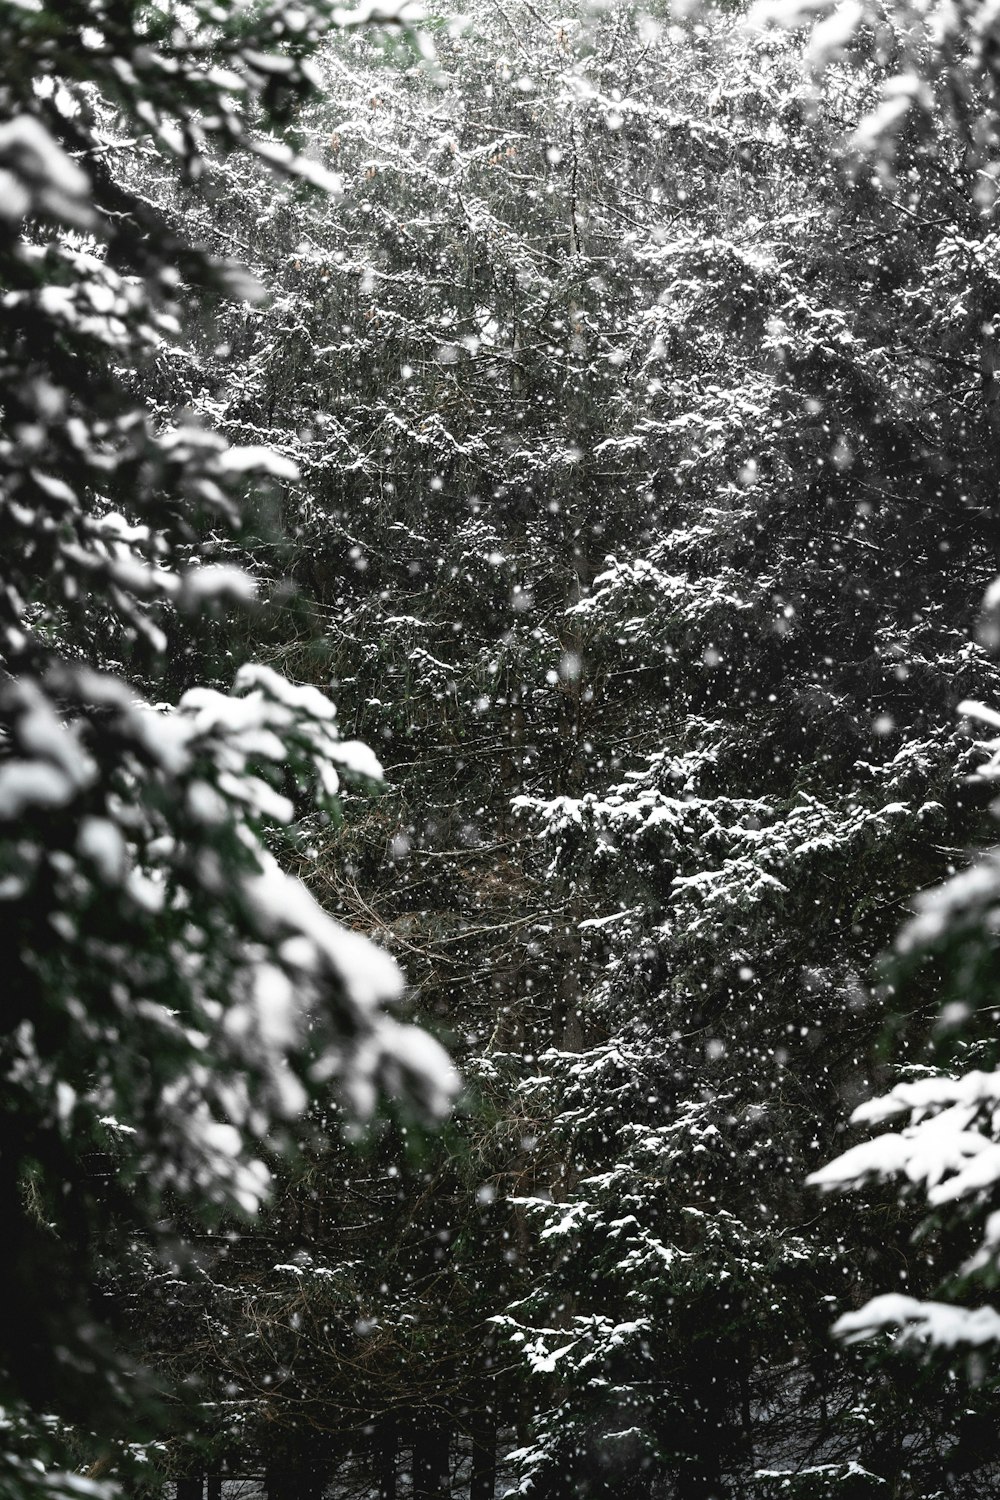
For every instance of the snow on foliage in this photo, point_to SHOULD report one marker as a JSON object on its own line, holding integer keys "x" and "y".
{"x": 920, "y": 1323}
{"x": 948, "y": 1141}
{"x": 633, "y": 421}
{"x": 176, "y": 998}
{"x": 938, "y": 57}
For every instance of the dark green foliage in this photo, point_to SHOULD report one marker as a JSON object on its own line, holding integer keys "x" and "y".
{"x": 648, "y": 512}
{"x": 647, "y": 435}
{"x": 173, "y": 998}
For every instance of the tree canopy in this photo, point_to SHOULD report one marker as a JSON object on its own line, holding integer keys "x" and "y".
{"x": 600, "y": 406}
{"x": 176, "y": 995}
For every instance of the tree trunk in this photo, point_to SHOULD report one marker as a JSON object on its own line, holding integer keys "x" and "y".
{"x": 287, "y": 1480}
{"x": 430, "y": 1460}
{"x": 482, "y": 1485}
{"x": 386, "y": 1444}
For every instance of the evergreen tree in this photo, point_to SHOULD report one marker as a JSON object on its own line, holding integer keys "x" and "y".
{"x": 810, "y": 629}
{"x": 175, "y": 997}
{"x": 943, "y": 1147}
{"x": 646, "y": 435}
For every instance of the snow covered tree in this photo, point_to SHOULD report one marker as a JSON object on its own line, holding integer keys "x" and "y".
{"x": 630, "y": 410}
{"x": 455, "y": 525}
{"x": 943, "y": 1147}
{"x": 175, "y": 998}
{"x": 936, "y": 68}
{"x": 805, "y": 611}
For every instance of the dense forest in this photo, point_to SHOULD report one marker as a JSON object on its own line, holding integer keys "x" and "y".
{"x": 500, "y": 645}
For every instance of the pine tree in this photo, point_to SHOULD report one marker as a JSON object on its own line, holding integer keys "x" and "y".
{"x": 631, "y": 410}
{"x": 175, "y": 996}
{"x": 942, "y": 1146}
{"x": 809, "y": 625}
